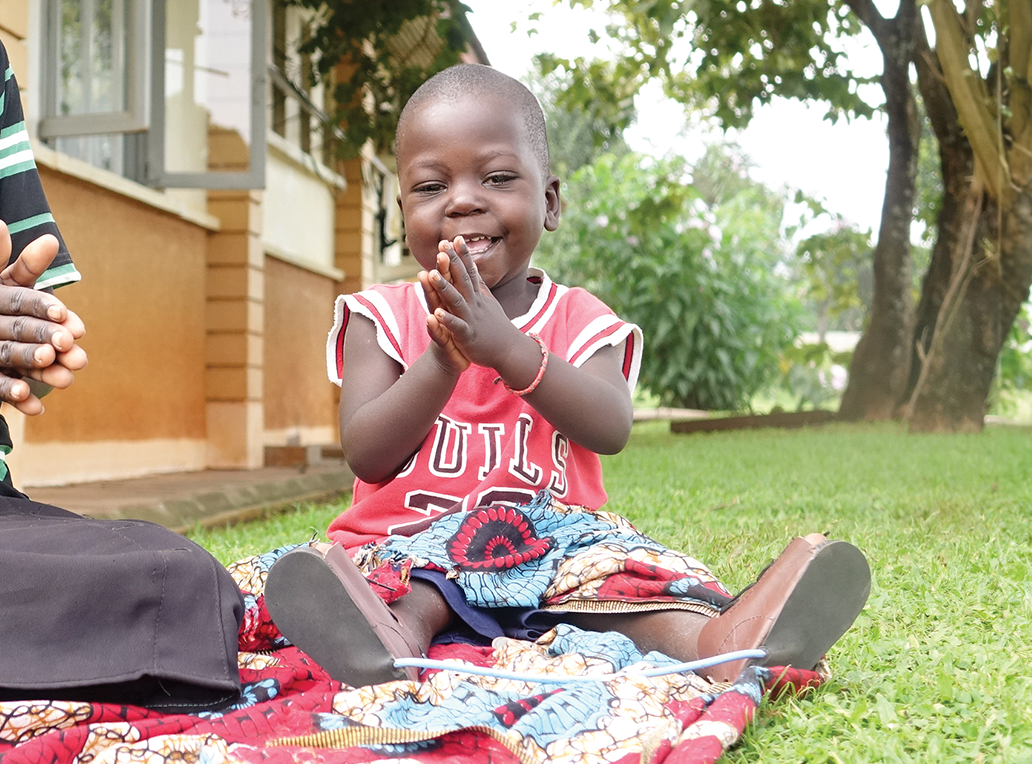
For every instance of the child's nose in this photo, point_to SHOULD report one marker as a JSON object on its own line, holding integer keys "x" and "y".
{"x": 465, "y": 199}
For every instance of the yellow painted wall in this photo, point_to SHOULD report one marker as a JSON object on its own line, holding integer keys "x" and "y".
{"x": 298, "y": 318}
{"x": 142, "y": 298}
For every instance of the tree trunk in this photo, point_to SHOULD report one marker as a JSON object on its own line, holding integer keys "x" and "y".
{"x": 1016, "y": 259}
{"x": 878, "y": 372}
{"x": 951, "y": 393}
{"x": 953, "y": 397}
{"x": 958, "y": 164}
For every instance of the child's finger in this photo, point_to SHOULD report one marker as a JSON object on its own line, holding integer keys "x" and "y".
{"x": 445, "y": 255}
{"x": 444, "y": 264}
{"x": 432, "y": 300}
{"x": 450, "y": 300}
{"x": 463, "y": 272}
{"x": 446, "y": 342}
{"x": 466, "y": 259}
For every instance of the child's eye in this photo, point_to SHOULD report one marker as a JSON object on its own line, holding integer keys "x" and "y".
{"x": 430, "y": 187}
{"x": 500, "y": 178}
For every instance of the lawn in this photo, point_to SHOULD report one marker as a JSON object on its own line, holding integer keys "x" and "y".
{"x": 937, "y": 666}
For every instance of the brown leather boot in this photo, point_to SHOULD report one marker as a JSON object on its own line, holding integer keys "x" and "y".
{"x": 796, "y": 610}
{"x": 324, "y": 605}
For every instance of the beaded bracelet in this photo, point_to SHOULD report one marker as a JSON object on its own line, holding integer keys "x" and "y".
{"x": 541, "y": 370}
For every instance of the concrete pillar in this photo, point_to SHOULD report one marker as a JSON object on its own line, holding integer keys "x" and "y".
{"x": 348, "y": 231}
{"x": 235, "y": 324}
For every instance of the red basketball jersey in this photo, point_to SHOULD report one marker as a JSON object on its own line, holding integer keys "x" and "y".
{"x": 488, "y": 445}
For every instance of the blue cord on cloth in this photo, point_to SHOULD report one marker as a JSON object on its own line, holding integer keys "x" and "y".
{"x": 677, "y": 668}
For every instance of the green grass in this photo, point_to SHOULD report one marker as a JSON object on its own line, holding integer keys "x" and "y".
{"x": 279, "y": 528}
{"x": 938, "y": 668}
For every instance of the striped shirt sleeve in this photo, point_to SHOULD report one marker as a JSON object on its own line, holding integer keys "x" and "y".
{"x": 23, "y": 205}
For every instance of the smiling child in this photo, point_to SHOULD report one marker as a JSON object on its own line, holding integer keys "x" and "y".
{"x": 474, "y": 405}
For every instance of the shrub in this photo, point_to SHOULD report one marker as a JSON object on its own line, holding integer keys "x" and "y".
{"x": 699, "y": 276}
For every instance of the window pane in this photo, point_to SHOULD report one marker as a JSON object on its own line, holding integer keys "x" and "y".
{"x": 208, "y": 83}
{"x": 104, "y": 151}
{"x": 93, "y": 76}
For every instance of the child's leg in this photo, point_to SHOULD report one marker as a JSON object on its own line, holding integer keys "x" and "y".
{"x": 322, "y": 603}
{"x": 672, "y": 632}
{"x": 796, "y": 610}
{"x": 424, "y": 612}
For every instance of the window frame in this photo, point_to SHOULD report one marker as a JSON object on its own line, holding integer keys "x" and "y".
{"x": 254, "y": 177}
{"x": 144, "y": 115}
{"x": 134, "y": 118}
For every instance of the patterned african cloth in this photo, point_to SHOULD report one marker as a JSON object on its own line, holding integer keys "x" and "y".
{"x": 291, "y": 711}
{"x": 548, "y": 555}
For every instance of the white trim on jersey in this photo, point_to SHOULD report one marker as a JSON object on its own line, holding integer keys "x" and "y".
{"x": 545, "y": 303}
{"x": 597, "y": 335}
{"x": 376, "y": 311}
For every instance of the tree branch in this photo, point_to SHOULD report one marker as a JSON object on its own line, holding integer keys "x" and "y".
{"x": 1019, "y": 56}
{"x": 869, "y": 14}
{"x": 971, "y": 99}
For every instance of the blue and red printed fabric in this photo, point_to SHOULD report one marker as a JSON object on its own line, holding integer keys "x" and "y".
{"x": 291, "y": 711}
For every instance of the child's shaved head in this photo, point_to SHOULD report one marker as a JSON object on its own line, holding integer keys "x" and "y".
{"x": 465, "y": 80}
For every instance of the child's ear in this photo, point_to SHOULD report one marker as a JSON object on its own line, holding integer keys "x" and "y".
{"x": 552, "y": 203}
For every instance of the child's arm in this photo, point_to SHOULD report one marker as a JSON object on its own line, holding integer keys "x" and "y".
{"x": 384, "y": 414}
{"x": 589, "y": 404}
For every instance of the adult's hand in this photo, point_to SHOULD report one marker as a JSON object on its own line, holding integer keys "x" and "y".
{"x": 38, "y": 334}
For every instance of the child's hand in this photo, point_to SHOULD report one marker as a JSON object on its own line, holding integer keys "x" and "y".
{"x": 433, "y": 298}
{"x": 464, "y": 306}
{"x": 443, "y": 339}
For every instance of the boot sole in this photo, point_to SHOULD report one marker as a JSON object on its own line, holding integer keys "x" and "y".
{"x": 312, "y": 607}
{"x": 822, "y": 606}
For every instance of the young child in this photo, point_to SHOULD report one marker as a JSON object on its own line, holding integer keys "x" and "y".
{"x": 467, "y": 395}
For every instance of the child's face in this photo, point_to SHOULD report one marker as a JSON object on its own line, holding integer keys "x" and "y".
{"x": 467, "y": 169}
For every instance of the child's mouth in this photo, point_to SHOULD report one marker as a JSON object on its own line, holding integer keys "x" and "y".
{"x": 478, "y": 245}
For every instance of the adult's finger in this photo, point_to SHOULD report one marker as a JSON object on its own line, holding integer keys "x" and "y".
{"x": 37, "y": 331}
{"x": 74, "y": 359}
{"x": 55, "y": 375}
{"x": 25, "y": 356}
{"x": 32, "y": 262}
{"x": 73, "y": 323}
{"x": 16, "y": 392}
{"x": 25, "y": 301}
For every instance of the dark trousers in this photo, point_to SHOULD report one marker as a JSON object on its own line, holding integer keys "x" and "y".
{"x": 119, "y": 611}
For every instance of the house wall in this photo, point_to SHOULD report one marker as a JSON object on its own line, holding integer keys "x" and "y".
{"x": 14, "y": 28}
{"x": 207, "y": 312}
{"x": 300, "y": 401}
{"x": 139, "y": 405}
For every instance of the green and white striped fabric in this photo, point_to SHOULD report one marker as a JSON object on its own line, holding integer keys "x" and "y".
{"x": 23, "y": 205}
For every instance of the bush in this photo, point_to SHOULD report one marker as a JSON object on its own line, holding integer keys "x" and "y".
{"x": 699, "y": 277}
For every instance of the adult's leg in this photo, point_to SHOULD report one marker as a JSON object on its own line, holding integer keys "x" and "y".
{"x": 116, "y": 611}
